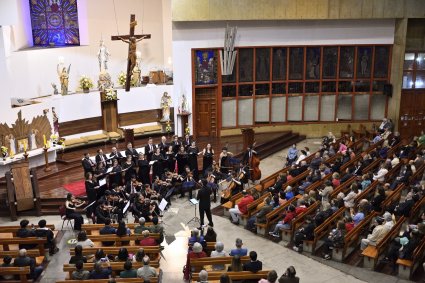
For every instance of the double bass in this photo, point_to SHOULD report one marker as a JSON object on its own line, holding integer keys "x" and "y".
{"x": 254, "y": 165}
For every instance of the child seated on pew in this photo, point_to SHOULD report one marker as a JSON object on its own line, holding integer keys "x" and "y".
{"x": 7, "y": 263}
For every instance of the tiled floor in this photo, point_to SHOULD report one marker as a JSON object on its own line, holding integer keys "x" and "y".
{"x": 273, "y": 255}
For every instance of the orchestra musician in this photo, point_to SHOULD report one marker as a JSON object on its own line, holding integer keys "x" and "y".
{"x": 224, "y": 160}
{"x": 208, "y": 157}
{"x": 132, "y": 187}
{"x": 188, "y": 183}
{"x": 142, "y": 208}
{"x": 102, "y": 212}
{"x": 150, "y": 149}
{"x": 143, "y": 173}
{"x": 88, "y": 164}
{"x": 71, "y": 204}
{"x": 101, "y": 158}
{"x": 192, "y": 160}
{"x": 130, "y": 151}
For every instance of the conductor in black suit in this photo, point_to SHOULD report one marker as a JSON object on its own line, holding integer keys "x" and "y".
{"x": 205, "y": 203}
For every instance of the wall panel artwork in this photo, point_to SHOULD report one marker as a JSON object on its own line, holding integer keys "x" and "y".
{"x": 205, "y": 67}
{"x": 54, "y": 22}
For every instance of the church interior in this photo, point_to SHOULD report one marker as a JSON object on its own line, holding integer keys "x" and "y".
{"x": 212, "y": 141}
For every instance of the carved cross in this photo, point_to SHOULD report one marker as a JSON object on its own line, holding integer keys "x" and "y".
{"x": 132, "y": 40}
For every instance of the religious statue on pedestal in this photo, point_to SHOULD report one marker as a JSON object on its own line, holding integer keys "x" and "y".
{"x": 63, "y": 73}
{"x": 103, "y": 56}
{"x": 136, "y": 73}
{"x": 105, "y": 81}
{"x": 33, "y": 137}
{"x": 165, "y": 105}
{"x": 184, "y": 107}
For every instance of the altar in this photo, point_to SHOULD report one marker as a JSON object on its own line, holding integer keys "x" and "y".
{"x": 35, "y": 158}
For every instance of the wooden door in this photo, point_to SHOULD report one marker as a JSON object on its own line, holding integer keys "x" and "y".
{"x": 205, "y": 112}
{"x": 412, "y": 113}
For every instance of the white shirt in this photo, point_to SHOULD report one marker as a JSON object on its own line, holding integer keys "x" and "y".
{"x": 380, "y": 176}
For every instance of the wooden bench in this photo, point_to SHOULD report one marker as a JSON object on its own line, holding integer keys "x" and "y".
{"x": 7, "y": 243}
{"x": 406, "y": 267}
{"x": 199, "y": 263}
{"x": 21, "y": 272}
{"x": 241, "y": 275}
{"x": 372, "y": 254}
{"x": 13, "y": 229}
{"x": 351, "y": 240}
{"x": 117, "y": 279}
{"x": 115, "y": 266}
{"x": 253, "y": 208}
{"x": 152, "y": 251}
{"x": 322, "y": 231}
{"x": 236, "y": 199}
{"x": 90, "y": 228}
{"x": 39, "y": 259}
{"x": 118, "y": 240}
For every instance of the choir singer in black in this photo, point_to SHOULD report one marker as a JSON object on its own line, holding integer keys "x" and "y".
{"x": 204, "y": 199}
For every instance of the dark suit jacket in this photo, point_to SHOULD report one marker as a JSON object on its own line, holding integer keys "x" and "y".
{"x": 163, "y": 147}
{"x": 131, "y": 152}
{"x": 25, "y": 233}
{"x": 98, "y": 158}
{"x": 148, "y": 153}
{"x": 253, "y": 266}
{"x": 87, "y": 166}
{"x": 117, "y": 155}
{"x": 204, "y": 198}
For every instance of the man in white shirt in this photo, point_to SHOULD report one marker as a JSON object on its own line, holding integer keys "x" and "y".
{"x": 380, "y": 175}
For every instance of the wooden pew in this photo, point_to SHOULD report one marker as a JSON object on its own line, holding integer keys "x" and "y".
{"x": 39, "y": 259}
{"x": 7, "y": 242}
{"x": 22, "y": 272}
{"x": 236, "y": 199}
{"x": 153, "y": 251}
{"x": 372, "y": 254}
{"x": 90, "y": 228}
{"x": 13, "y": 229}
{"x": 394, "y": 197}
{"x": 351, "y": 240}
{"x": 115, "y": 266}
{"x": 287, "y": 234}
{"x": 117, "y": 279}
{"x": 253, "y": 208}
{"x": 199, "y": 263}
{"x": 322, "y": 231}
{"x": 241, "y": 275}
{"x": 406, "y": 267}
{"x": 118, "y": 240}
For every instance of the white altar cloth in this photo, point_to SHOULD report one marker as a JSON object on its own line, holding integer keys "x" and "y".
{"x": 35, "y": 157}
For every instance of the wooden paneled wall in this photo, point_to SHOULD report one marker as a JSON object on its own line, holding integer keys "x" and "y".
{"x": 80, "y": 126}
{"x": 141, "y": 117}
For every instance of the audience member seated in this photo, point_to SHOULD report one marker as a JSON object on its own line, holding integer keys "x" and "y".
{"x": 323, "y": 214}
{"x": 83, "y": 241}
{"x": 107, "y": 230}
{"x": 380, "y": 175}
{"x": 289, "y": 276}
{"x": 141, "y": 227}
{"x": 100, "y": 272}
{"x": 334, "y": 240}
{"x": 357, "y": 215}
{"x": 305, "y": 233}
{"x": 7, "y": 263}
{"x": 224, "y": 278}
{"x": 79, "y": 273}
{"x": 271, "y": 277}
{"x": 140, "y": 254}
{"x": 242, "y": 207}
{"x": 78, "y": 256}
{"x": 218, "y": 252}
{"x": 379, "y": 232}
{"x": 254, "y": 265}
{"x": 44, "y": 232}
{"x": 403, "y": 207}
{"x": 211, "y": 235}
{"x": 285, "y": 223}
{"x": 122, "y": 255}
{"x": 281, "y": 179}
{"x": 122, "y": 231}
{"x": 378, "y": 199}
{"x": 351, "y": 196}
{"x": 289, "y": 194}
{"x": 203, "y": 276}
{"x": 147, "y": 239}
{"x": 260, "y": 217}
{"x": 292, "y": 155}
{"x": 239, "y": 250}
{"x": 159, "y": 229}
{"x": 23, "y": 260}
{"x": 196, "y": 238}
{"x": 128, "y": 271}
{"x": 24, "y": 232}
{"x": 196, "y": 252}
{"x": 236, "y": 264}
{"x": 100, "y": 256}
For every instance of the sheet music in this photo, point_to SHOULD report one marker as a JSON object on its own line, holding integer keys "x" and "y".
{"x": 162, "y": 205}
{"x": 194, "y": 201}
{"x": 123, "y": 153}
{"x": 152, "y": 162}
{"x": 140, "y": 150}
{"x": 126, "y": 207}
{"x": 102, "y": 182}
{"x": 109, "y": 170}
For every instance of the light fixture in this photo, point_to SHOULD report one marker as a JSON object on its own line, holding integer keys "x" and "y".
{"x": 228, "y": 57}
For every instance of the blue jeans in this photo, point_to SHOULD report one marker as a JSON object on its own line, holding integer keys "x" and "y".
{"x": 280, "y": 225}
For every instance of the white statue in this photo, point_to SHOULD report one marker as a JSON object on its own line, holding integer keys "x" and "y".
{"x": 12, "y": 145}
{"x": 33, "y": 142}
{"x": 184, "y": 108}
{"x": 165, "y": 105}
{"x": 103, "y": 56}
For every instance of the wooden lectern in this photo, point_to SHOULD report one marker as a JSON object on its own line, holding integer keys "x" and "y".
{"x": 22, "y": 189}
{"x": 109, "y": 114}
{"x": 248, "y": 137}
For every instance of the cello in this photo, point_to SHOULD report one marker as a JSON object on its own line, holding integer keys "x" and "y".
{"x": 254, "y": 165}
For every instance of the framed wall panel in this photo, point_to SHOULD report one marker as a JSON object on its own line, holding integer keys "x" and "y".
{"x": 278, "y": 109}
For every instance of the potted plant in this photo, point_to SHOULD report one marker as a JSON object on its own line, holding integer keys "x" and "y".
{"x": 4, "y": 152}
{"x": 85, "y": 84}
{"x": 122, "y": 78}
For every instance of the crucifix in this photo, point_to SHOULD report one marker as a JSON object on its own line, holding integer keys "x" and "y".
{"x": 132, "y": 40}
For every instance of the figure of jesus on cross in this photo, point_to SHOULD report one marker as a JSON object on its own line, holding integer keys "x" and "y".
{"x": 132, "y": 40}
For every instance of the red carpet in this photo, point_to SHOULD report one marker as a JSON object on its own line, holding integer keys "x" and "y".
{"x": 77, "y": 188}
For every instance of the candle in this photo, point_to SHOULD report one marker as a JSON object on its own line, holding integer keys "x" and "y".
{"x": 44, "y": 139}
{"x": 25, "y": 146}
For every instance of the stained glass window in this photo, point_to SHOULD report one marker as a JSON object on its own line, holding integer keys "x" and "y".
{"x": 54, "y": 22}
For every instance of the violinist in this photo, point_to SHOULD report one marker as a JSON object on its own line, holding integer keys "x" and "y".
{"x": 91, "y": 192}
{"x": 141, "y": 208}
{"x": 133, "y": 186}
{"x": 143, "y": 172}
{"x": 102, "y": 212}
{"x": 192, "y": 159}
{"x": 188, "y": 183}
{"x": 71, "y": 205}
{"x": 181, "y": 158}
{"x": 121, "y": 193}
{"x": 116, "y": 173}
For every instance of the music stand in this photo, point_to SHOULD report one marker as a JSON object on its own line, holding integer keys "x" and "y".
{"x": 195, "y": 219}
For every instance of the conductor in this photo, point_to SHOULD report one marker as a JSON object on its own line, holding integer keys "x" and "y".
{"x": 205, "y": 203}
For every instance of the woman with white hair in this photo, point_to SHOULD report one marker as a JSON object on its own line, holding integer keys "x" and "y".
{"x": 218, "y": 252}
{"x": 196, "y": 252}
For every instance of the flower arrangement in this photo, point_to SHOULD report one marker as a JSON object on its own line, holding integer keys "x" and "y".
{"x": 122, "y": 78}
{"x": 187, "y": 129}
{"x": 4, "y": 151}
{"x": 85, "y": 83}
{"x": 110, "y": 94}
{"x": 54, "y": 138}
{"x": 168, "y": 127}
